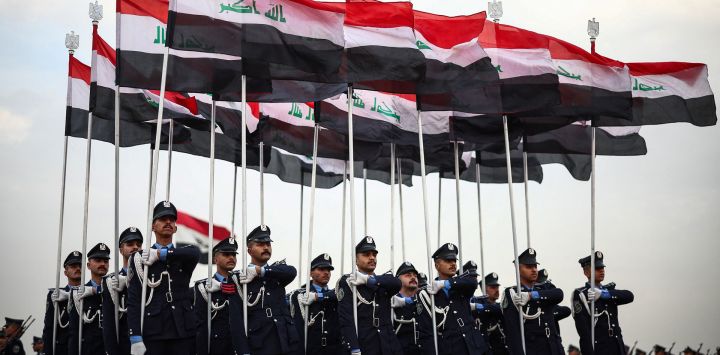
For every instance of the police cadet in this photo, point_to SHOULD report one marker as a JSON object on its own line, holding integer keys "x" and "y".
{"x": 490, "y": 315}
{"x": 608, "y": 336}
{"x": 560, "y": 312}
{"x": 574, "y": 350}
{"x": 12, "y": 332}
{"x": 38, "y": 346}
{"x": 169, "y": 321}
{"x": 87, "y": 305}
{"x": 405, "y": 306}
{"x": 270, "y": 328}
{"x": 323, "y": 327}
{"x": 220, "y": 289}
{"x": 114, "y": 292}
{"x": 457, "y": 332}
{"x": 60, "y": 299}
{"x": 536, "y": 303}
{"x": 375, "y": 334}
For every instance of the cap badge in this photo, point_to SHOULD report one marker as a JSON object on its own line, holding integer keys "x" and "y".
{"x": 407, "y": 263}
{"x": 166, "y": 204}
{"x": 76, "y": 253}
{"x": 450, "y": 246}
{"x": 133, "y": 230}
{"x": 263, "y": 227}
{"x": 102, "y": 246}
{"x": 369, "y": 240}
{"x": 531, "y": 251}
{"x": 231, "y": 240}
{"x": 326, "y": 256}
{"x": 494, "y": 275}
{"x": 472, "y": 263}
{"x": 545, "y": 272}
{"x": 598, "y": 255}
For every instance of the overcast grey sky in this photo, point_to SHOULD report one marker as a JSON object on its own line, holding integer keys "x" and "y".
{"x": 658, "y": 219}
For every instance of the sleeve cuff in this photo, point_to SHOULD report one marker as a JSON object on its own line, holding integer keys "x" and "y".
{"x": 534, "y": 295}
{"x": 320, "y": 296}
{"x": 135, "y": 339}
{"x": 262, "y": 271}
{"x": 479, "y": 306}
{"x": 163, "y": 254}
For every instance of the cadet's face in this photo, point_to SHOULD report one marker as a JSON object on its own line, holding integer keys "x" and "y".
{"x": 225, "y": 261}
{"x": 528, "y": 273}
{"x": 126, "y": 249}
{"x": 260, "y": 251}
{"x": 98, "y": 267}
{"x": 574, "y": 352}
{"x": 11, "y": 329}
{"x": 493, "y": 292}
{"x": 38, "y": 346}
{"x": 320, "y": 275}
{"x": 366, "y": 261}
{"x": 599, "y": 274}
{"x": 73, "y": 272}
{"x": 164, "y": 226}
{"x": 446, "y": 268}
{"x": 3, "y": 341}
{"x": 409, "y": 280}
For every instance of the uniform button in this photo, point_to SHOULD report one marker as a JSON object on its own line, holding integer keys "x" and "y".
{"x": 173, "y": 307}
{"x": 275, "y": 320}
{"x": 455, "y": 312}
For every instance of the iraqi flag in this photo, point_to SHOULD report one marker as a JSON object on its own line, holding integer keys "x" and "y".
{"x": 297, "y": 169}
{"x": 576, "y": 138}
{"x": 380, "y": 46}
{"x": 303, "y": 38}
{"x": 136, "y": 105}
{"x": 528, "y": 79}
{"x": 290, "y": 127}
{"x": 76, "y": 118}
{"x": 459, "y": 75}
{"x": 228, "y": 115}
{"x": 669, "y": 92}
{"x": 194, "y": 231}
{"x": 590, "y": 84}
{"x": 385, "y": 118}
{"x": 493, "y": 168}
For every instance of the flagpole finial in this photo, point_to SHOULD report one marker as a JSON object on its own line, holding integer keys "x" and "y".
{"x": 593, "y": 29}
{"x": 72, "y": 42}
{"x": 95, "y": 12}
{"x": 495, "y": 10}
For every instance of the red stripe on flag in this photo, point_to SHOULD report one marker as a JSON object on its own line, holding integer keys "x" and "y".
{"x": 447, "y": 32}
{"x": 338, "y": 7}
{"x": 254, "y": 110}
{"x": 103, "y": 48}
{"x": 78, "y": 70}
{"x": 496, "y": 35}
{"x": 201, "y": 226}
{"x": 562, "y": 50}
{"x": 378, "y": 14}
{"x": 660, "y": 68}
{"x": 189, "y": 103}
{"x": 153, "y": 8}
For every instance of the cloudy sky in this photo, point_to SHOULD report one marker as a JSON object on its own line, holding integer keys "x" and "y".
{"x": 657, "y": 215}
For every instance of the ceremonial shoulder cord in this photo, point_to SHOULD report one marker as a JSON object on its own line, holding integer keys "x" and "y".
{"x": 425, "y": 299}
{"x": 215, "y": 307}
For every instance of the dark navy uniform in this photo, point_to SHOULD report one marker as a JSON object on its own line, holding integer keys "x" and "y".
{"x": 457, "y": 332}
{"x": 13, "y": 346}
{"x": 375, "y": 334}
{"x": 406, "y": 317}
{"x": 541, "y": 333}
{"x": 490, "y": 318}
{"x": 60, "y": 347}
{"x": 170, "y": 324}
{"x": 117, "y": 343}
{"x": 608, "y": 335}
{"x": 271, "y": 329}
{"x": 221, "y": 291}
{"x": 36, "y": 341}
{"x": 91, "y": 312}
{"x": 323, "y": 324}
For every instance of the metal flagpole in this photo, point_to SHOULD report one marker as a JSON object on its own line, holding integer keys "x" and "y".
{"x": 116, "y": 307}
{"x": 244, "y": 193}
{"x": 234, "y": 198}
{"x": 392, "y": 206}
{"x": 153, "y": 182}
{"x": 72, "y": 42}
{"x": 480, "y": 225}
{"x": 262, "y": 185}
{"x": 342, "y": 241}
{"x": 351, "y": 153}
{"x": 365, "y": 219}
{"x": 85, "y": 226}
{"x": 211, "y": 219}
{"x": 527, "y": 197}
{"x": 439, "y": 219}
{"x": 402, "y": 214}
{"x": 428, "y": 247}
{"x": 593, "y": 31}
{"x": 302, "y": 205}
{"x": 512, "y": 221}
{"x": 311, "y": 227}
{"x": 171, "y": 133}
{"x": 457, "y": 203}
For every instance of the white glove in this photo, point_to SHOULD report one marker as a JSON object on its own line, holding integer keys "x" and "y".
{"x": 473, "y": 306}
{"x": 519, "y": 299}
{"x": 84, "y": 291}
{"x": 117, "y": 282}
{"x": 59, "y": 295}
{"x": 594, "y": 294}
{"x": 150, "y": 256}
{"x": 214, "y": 285}
{"x": 435, "y": 286}
{"x": 307, "y": 299}
{"x": 397, "y": 301}
{"x": 138, "y": 348}
{"x": 356, "y": 279}
{"x": 247, "y": 276}
{"x": 356, "y": 352}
